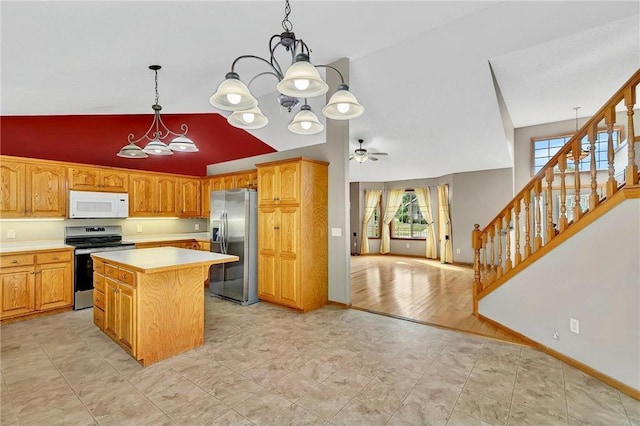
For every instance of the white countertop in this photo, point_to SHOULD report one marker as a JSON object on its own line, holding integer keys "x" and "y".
{"x": 152, "y": 238}
{"x": 19, "y": 246}
{"x": 163, "y": 258}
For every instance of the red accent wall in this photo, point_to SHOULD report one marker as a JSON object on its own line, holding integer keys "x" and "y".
{"x": 96, "y": 139}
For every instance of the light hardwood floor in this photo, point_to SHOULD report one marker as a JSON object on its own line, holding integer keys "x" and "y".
{"x": 420, "y": 290}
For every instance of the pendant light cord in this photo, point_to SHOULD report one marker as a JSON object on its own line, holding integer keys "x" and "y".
{"x": 286, "y": 24}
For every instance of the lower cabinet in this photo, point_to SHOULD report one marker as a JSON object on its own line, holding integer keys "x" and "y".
{"x": 115, "y": 307}
{"x": 35, "y": 283}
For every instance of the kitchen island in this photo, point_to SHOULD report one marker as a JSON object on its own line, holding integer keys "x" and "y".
{"x": 151, "y": 301}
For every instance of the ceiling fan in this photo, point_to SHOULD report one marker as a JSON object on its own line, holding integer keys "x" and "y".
{"x": 361, "y": 155}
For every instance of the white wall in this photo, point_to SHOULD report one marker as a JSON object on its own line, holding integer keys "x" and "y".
{"x": 477, "y": 198}
{"x": 593, "y": 277}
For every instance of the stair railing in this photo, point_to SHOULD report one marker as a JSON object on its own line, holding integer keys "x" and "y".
{"x": 568, "y": 187}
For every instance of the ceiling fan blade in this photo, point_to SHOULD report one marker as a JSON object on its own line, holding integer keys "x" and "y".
{"x": 378, "y": 153}
{"x": 351, "y": 157}
{"x": 372, "y": 158}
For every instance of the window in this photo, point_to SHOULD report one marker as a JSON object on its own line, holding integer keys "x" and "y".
{"x": 408, "y": 221}
{"x": 373, "y": 227}
{"x": 546, "y": 147}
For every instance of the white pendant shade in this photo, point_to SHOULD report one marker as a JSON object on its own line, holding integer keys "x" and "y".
{"x": 157, "y": 147}
{"x": 183, "y": 144}
{"x": 343, "y": 105}
{"x": 302, "y": 80}
{"x": 250, "y": 119}
{"x": 132, "y": 151}
{"x": 305, "y": 122}
{"x": 233, "y": 95}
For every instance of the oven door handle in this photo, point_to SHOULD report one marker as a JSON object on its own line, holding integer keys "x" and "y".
{"x": 103, "y": 249}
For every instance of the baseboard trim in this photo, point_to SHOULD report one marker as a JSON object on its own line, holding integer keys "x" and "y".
{"x": 626, "y": 389}
{"x": 339, "y": 304}
{"x": 35, "y": 315}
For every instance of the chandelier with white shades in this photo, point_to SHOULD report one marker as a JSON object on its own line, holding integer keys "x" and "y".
{"x": 156, "y": 133}
{"x": 299, "y": 82}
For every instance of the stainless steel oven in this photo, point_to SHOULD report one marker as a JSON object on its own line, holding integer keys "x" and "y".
{"x": 87, "y": 240}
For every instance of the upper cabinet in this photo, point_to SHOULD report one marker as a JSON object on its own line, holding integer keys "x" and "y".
{"x": 189, "y": 197}
{"x": 245, "y": 179}
{"x": 279, "y": 183}
{"x": 32, "y": 189}
{"x": 152, "y": 195}
{"x": 98, "y": 179}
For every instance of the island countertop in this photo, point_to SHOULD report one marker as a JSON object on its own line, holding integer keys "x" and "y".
{"x": 158, "y": 259}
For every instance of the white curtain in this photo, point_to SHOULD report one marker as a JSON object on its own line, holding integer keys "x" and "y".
{"x": 394, "y": 199}
{"x": 371, "y": 201}
{"x": 446, "y": 249}
{"x": 424, "y": 204}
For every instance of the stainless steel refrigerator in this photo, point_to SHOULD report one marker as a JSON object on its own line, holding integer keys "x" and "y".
{"x": 234, "y": 230}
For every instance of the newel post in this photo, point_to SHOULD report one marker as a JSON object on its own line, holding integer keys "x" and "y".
{"x": 476, "y": 243}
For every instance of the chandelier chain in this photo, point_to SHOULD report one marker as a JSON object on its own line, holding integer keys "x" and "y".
{"x": 286, "y": 24}
{"x": 157, "y": 96}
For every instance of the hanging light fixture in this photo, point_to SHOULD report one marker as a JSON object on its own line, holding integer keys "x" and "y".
{"x": 300, "y": 80}
{"x": 156, "y": 133}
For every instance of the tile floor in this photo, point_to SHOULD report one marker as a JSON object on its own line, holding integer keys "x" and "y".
{"x": 265, "y": 365}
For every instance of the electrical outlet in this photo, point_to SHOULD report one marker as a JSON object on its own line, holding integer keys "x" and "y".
{"x": 574, "y": 325}
{"x": 11, "y": 233}
{"x": 197, "y": 226}
{"x": 457, "y": 251}
{"x": 139, "y": 229}
{"x": 336, "y": 232}
{"x": 408, "y": 245}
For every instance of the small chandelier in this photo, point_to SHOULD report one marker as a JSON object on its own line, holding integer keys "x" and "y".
{"x": 300, "y": 81}
{"x": 584, "y": 152}
{"x": 156, "y": 133}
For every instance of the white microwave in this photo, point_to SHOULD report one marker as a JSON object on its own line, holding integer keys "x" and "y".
{"x": 90, "y": 205}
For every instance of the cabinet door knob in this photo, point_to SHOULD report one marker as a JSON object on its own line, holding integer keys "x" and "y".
{"x": 14, "y": 261}
{"x": 32, "y": 272}
{"x": 55, "y": 257}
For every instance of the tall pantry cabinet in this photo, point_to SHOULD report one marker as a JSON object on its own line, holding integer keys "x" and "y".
{"x": 292, "y": 233}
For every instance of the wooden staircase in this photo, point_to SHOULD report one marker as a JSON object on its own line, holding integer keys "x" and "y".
{"x": 531, "y": 224}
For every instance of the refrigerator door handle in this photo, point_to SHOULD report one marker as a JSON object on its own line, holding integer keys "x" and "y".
{"x": 226, "y": 231}
{"x": 221, "y": 234}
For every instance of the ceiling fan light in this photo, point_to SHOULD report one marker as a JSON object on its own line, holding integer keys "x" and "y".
{"x": 183, "y": 144}
{"x": 157, "y": 147}
{"x": 305, "y": 122}
{"x": 132, "y": 151}
{"x": 233, "y": 95}
{"x": 343, "y": 105}
{"x": 302, "y": 80}
{"x": 250, "y": 119}
{"x": 360, "y": 158}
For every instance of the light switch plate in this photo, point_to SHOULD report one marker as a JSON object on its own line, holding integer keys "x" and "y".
{"x": 139, "y": 228}
{"x": 336, "y": 232}
{"x": 11, "y": 233}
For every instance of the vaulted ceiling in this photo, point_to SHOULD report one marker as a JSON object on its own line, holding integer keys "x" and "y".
{"x": 422, "y": 69}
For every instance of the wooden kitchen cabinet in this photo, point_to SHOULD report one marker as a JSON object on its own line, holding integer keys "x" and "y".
{"x": 244, "y": 179}
{"x": 98, "y": 179}
{"x": 119, "y": 307}
{"x": 189, "y": 197}
{"x": 32, "y": 189}
{"x": 35, "y": 283}
{"x": 292, "y": 236}
{"x": 279, "y": 183}
{"x": 152, "y": 195}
